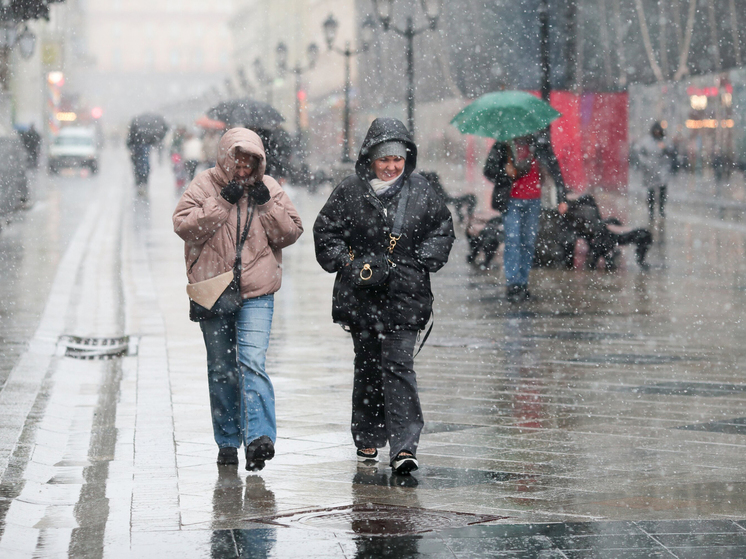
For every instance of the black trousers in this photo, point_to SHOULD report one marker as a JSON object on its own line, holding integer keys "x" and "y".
{"x": 385, "y": 403}
{"x": 190, "y": 166}
{"x": 661, "y": 201}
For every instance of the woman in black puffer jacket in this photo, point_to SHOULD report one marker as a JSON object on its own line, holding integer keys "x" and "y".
{"x": 356, "y": 223}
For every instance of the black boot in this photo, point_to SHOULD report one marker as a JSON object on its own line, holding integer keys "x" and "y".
{"x": 258, "y": 452}
{"x": 513, "y": 293}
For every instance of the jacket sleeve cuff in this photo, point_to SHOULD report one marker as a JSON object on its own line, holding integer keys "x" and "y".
{"x": 264, "y": 209}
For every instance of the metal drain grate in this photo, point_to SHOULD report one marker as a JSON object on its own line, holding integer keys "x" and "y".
{"x": 96, "y": 348}
{"x": 370, "y": 519}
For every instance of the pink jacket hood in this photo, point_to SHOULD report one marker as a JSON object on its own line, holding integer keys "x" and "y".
{"x": 248, "y": 142}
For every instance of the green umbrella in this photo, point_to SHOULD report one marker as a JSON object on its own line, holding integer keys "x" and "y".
{"x": 504, "y": 115}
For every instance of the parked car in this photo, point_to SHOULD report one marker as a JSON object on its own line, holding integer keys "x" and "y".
{"x": 13, "y": 180}
{"x": 74, "y": 147}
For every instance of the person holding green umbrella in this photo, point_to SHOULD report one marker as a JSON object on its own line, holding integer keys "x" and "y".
{"x": 513, "y": 165}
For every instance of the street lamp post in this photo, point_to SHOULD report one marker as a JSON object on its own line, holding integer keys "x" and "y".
{"x": 263, "y": 78}
{"x": 384, "y": 10}
{"x": 312, "y": 52}
{"x": 330, "y": 33}
{"x": 544, "y": 49}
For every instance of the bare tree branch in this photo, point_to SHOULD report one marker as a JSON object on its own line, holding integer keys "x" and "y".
{"x": 620, "y": 41}
{"x": 684, "y": 52}
{"x": 676, "y": 12}
{"x": 714, "y": 35}
{"x": 734, "y": 32}
{"x": 663, "y": 39}
{"x": 646, "y": 41}
{"x": 605, "y": 42}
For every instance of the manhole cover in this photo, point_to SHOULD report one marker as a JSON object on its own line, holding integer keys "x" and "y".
{"x": 96, "y": 348}
{"x": 370, "y": 519}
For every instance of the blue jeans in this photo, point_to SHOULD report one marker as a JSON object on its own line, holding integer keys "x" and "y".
{"x": 521, "y": 223}
{"x": 242, "y": 399}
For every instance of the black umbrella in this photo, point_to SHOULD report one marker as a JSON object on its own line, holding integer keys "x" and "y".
{"x": 246, "y": 113}
{"x": 148, "y": 128}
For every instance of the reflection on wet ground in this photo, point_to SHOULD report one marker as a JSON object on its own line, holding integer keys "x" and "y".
{"x": 604, "y": 418}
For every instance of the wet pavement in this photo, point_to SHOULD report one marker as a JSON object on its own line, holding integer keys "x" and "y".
{"x": 604, "y": 418}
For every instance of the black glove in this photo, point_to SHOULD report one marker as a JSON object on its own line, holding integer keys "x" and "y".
{"x": 232, "y": 192}
{"x": 260, "y": 193}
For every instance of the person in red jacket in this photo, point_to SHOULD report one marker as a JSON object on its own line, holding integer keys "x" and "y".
{"x": 521, "y": 220}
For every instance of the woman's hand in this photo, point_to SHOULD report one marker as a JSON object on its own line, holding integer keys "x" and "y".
{"x": 259, "y": 193}
{"x": 511, "y": 170}
{"x": 232, "y": 192}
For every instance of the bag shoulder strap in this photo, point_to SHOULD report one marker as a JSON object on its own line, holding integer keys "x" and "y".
{"x": 401, "y": 209}
{"x": 431, "y": 320}
{"x": 241, "y": 237}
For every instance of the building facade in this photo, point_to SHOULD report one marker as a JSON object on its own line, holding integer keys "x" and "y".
{"x": 168, "y": 56}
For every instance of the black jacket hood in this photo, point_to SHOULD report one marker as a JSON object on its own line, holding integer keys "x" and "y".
{"x": 385, "y": 130}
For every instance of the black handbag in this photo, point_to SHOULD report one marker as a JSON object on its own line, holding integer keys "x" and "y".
{"x": 229, "y": 302}
{"x": 370, "y": 271}
{"x": 373, "y": 270}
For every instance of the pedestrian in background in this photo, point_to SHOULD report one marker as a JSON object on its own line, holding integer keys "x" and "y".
{"x": 654, "y": 155}
{"x": 383, "y": 231}
{"x": 32, "y": 142}
{"x": 242, "y": 398}
{"x": 192, "y": 155}
{"x": 177, "y": 159}
{"x": 515, "y": 166}
{"x": 140, "y": 155}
